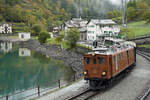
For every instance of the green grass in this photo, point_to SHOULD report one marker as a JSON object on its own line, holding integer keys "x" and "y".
{"x": 52, "y": 41}
{"x": 138, "y": 29}
{"x": 10, "y": 37}
{"x": 144, "y": 45}
{"x": 139, "y": 24}
{"x": 64, "y": 44}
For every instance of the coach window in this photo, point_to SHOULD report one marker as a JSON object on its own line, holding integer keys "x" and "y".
{"x": 101, "y": 60}
{"x": 87, "y": 60}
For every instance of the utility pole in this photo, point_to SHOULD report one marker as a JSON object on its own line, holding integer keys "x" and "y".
{"x": 126, "y": 18}
{"x": 122, "y": 12}
{"x": 79, "y": 9}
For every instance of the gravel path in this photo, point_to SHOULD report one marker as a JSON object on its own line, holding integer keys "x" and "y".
{"x": 131, "y": 86}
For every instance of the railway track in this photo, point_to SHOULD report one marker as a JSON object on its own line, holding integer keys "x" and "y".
{"x": 85, "y": 95}
{"x": 144, "y": 54}
{"x": 147, "y": 56}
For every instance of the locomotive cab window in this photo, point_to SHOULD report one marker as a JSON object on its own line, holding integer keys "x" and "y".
{"x": 101, "y": 60}
{"x": 94, "y": 61}
{"x": 87, "y": 60}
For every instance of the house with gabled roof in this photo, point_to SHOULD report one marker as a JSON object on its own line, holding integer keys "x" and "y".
{"x": 105, "y": 27}
{"x": 6, "y": 28}
{"x": 78, "y": 23}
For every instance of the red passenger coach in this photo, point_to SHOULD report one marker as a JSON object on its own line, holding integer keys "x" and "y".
{"x": 105, "y": 63}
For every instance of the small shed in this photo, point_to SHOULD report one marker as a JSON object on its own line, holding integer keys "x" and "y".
{"x": 24, "y": 36}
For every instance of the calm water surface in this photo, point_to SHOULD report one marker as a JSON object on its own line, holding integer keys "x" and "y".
{"x": 21, "y": 69}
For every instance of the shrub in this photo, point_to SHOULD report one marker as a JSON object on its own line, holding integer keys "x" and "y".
{"x": 43, "y": 36}
{"x": 36, "y": 29}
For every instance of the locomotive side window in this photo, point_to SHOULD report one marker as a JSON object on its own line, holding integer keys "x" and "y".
{"x": 87, "y": 60}
{"x": 94, "y": 60}
{"x": 101, "y": 60}
{"x": 119, "y": 57}
{"x": 113, "y": 59}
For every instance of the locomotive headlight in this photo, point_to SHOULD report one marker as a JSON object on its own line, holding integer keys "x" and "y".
{"x": 85, "y": 73}
{"x": 104, "y": 73}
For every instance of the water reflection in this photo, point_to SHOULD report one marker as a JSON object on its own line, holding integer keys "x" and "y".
{"x": 19, "y": 73}
{"x": 5, "y": 47}
{"x": 24, "y": 52}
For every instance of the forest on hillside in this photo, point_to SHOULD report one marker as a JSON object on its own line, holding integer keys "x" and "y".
{"x": 51, "y": 13}
{"x": 137, "y": 10}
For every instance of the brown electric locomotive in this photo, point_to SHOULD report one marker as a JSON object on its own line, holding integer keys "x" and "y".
{"x": 106, "y": 62}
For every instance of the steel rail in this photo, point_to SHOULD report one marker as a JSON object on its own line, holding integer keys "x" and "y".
{"x": 144, "y": 54}
{"x": 85, "y": 95}
{"x": 147, "y": 56}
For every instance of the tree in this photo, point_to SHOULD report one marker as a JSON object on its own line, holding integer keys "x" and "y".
{"x": 131, "y": 13}
{"x": 73, "y": 36}
{"x": 141, "y": 6}
{"x": 43, "y": 36}
{"x": 60, "y": 36}
{"x": 114, "y": 14}
{"x": 146, "y": 16}
{"x": 36, "y": 29}
{"x": 131, "y": 3}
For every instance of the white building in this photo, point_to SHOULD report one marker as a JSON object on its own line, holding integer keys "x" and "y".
{"x": 5, "y": 28}
{"x": 89, "y": 31}
{"x": 109, "y": 27}
{"x": 24, "y": 36}
{"x": 23, "y": 52}
{"x": 105, "y": 27}
{"x": 93, "y": 30}
{"x": 5, "y": 46}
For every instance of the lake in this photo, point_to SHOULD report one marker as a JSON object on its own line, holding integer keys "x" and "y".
{"x": 21, "y": 69}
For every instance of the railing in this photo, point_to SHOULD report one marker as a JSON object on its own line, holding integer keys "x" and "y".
{"x": 37, "y": 90}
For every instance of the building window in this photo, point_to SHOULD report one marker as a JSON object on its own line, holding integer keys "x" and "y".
{"x": 101, "y": 60}
{"x": 91, "y": 26}
{"x": 110, "y": 32}
{"x": 22, "y": 36}
{"x": 87, "y": 60}
{"x": 105, "y": 32}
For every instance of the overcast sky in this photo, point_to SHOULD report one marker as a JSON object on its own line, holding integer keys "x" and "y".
{"x": 118, "y": 2}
